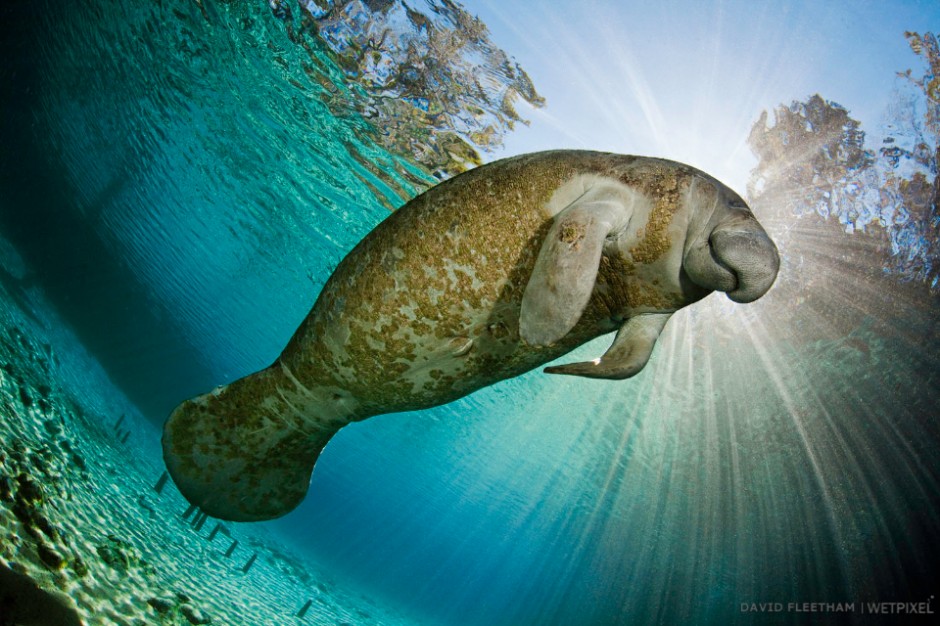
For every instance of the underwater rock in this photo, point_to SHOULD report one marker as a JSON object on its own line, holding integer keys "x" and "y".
{"x": 170, "y": 606}
{"x": 79, "y": 462}
{"x": 162, "y": 605}
{"x": 119, "y": 554}
{"x": 42, "y": 523}
{"x": 45, "y": 398}
{"x": 24, "y": 603}
{"x": 25, "y": 398}
{"x": 79, "y": 567}
{"x": 50, "y": 557}
{"x": 28, "y": 502}
{"x": 145, "y": 504}
{"x": 194, "y": 615}
{"x": 29, "y": 492}
{"x": 113, "y": 557}
{"x": 6, "y": 489}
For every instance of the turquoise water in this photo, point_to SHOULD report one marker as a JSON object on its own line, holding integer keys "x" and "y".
{"x": 179, "y": 178}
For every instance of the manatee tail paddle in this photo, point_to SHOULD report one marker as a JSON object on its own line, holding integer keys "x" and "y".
{"x": 245, "y": 451}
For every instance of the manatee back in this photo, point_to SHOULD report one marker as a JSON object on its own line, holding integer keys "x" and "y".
{"x": 445, "y": 262}
{"x": 450, "y": 265}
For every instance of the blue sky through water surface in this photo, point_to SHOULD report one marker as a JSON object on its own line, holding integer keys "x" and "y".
{"x": 686, "y": 80}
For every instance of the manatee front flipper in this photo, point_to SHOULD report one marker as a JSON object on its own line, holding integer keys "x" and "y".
{"x": 244, "y": 452}
{"x": 628, "y": 354}
{"x": 566, "y": 268}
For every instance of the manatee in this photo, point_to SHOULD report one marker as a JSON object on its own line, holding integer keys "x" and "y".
{"x": 485, "y": 276}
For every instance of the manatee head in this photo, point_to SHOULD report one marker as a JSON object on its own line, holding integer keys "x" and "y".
{"x": 726, "y": 248}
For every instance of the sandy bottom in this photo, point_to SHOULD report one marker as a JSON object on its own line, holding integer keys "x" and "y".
{"x": 84, "y": 535}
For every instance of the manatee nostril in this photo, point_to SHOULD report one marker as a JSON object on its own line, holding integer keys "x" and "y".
{"x": 750, "y": 257}
{"x": 725, "y": 276}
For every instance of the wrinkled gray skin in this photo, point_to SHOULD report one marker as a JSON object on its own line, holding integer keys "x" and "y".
{"x": 732, "y": 253}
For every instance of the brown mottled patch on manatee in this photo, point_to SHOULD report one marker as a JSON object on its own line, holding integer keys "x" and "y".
{"x": 467, "y": 248}
{"x": 665, "y": 185}
{"x": 572, "y": 233}
{"x": 619, "y": 290}
{"x": 445, "y": 300}
{"x": 244, "y": 416}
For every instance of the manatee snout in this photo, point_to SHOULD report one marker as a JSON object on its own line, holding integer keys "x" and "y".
{"x": 748, "y": 253}
{"x": 739, "y": 258}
